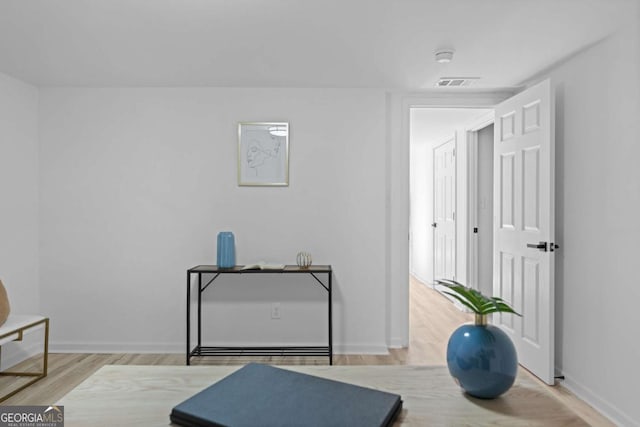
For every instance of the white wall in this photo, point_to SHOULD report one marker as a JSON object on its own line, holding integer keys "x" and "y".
{"x": 421, "y": 215}
{"x": 19, "y": 208}
{"x": 19, "y": 193}
{"x": 136, "y": 183}
{"x": 597, "y": 227}
{"x": 421, "y": 199}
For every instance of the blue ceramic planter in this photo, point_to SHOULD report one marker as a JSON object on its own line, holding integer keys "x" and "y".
{"x": 482, "y": 359}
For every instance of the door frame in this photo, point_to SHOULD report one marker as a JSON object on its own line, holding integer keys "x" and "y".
{"x": 472, "y": 197}
{"x": 397, "y": 193}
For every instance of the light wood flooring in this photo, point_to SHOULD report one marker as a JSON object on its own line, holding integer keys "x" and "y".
{"x": 432, "y": 317}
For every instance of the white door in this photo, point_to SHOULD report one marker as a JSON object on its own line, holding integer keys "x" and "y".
{"x": 444, "y": 215}
{"x": 523, "y": 266}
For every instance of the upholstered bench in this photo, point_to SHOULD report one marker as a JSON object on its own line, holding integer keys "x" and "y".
{"x": 13, "y": 330}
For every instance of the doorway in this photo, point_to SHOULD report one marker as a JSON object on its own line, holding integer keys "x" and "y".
{"x": 444, "y": 205}
{"x": 439, "y": 244}
{"x": 523, "y": 219}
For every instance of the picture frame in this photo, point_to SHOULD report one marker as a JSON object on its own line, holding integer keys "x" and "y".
{"x": 263, "y": 154}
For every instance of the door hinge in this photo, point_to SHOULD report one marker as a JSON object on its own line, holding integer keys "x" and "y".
{"x": 454, "y": 152}
{"x": 453, "y": 215}
{"x": 475, "y": 229}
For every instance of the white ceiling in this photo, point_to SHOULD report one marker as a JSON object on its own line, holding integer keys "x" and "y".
{"x": 294, "y": 43}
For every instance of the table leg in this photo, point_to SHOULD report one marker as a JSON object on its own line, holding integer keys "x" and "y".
{"x": 199, "y": 314}
{"x": 188, "y": 316}
{"x": 330, "y": 323}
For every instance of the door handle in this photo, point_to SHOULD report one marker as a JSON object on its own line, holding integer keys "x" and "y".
{"x": 541, "y": 246}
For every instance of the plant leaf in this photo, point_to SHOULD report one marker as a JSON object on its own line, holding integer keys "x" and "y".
{"x": 462, "y": 300}
{"x": 474, "y": 300}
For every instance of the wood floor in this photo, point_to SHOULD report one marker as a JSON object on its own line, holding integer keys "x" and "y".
{"x": 433, "y": 318}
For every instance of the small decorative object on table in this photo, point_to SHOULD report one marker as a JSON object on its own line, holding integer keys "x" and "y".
{"x": 226, "y": 250}
{"x": 481, "y": 357}
{"x": 303, "y": 259}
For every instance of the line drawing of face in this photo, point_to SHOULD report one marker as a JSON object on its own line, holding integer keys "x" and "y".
{"x": 258, "y": 152}
{"x": 256, "y": 155}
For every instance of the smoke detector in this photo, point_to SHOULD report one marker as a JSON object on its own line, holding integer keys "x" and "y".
{"x": 444, "y": 56}
{"x": 456, "y": 81}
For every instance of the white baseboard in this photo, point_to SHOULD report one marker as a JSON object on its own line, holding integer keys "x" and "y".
{"x": 177, "y": 348}
{"x": 421, "y": 279}
{"x": 116, "y": 347}
{"x": 360, "y": 349}
{"x": 397, "y": 342}
{"x": 601, "y": 405}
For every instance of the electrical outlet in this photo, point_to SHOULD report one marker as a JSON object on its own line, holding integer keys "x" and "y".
{"x": 275, "y": 310}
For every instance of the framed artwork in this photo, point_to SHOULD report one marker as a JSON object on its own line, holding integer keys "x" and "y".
{"x": 263, "y": 154}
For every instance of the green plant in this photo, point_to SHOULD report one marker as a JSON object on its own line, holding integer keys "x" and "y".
{"x": 474, "y": 300}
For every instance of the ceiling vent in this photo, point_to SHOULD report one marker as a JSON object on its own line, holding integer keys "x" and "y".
{"x": 456, "y": 81}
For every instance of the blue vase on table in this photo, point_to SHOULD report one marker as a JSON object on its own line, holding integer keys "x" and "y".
{"x": 226, "y": 250}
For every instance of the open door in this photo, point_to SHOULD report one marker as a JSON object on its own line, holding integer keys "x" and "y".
{"x": 523, "y": 264}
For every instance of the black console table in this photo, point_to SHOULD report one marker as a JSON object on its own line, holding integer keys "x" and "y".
{"x": 200, "y": 350}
